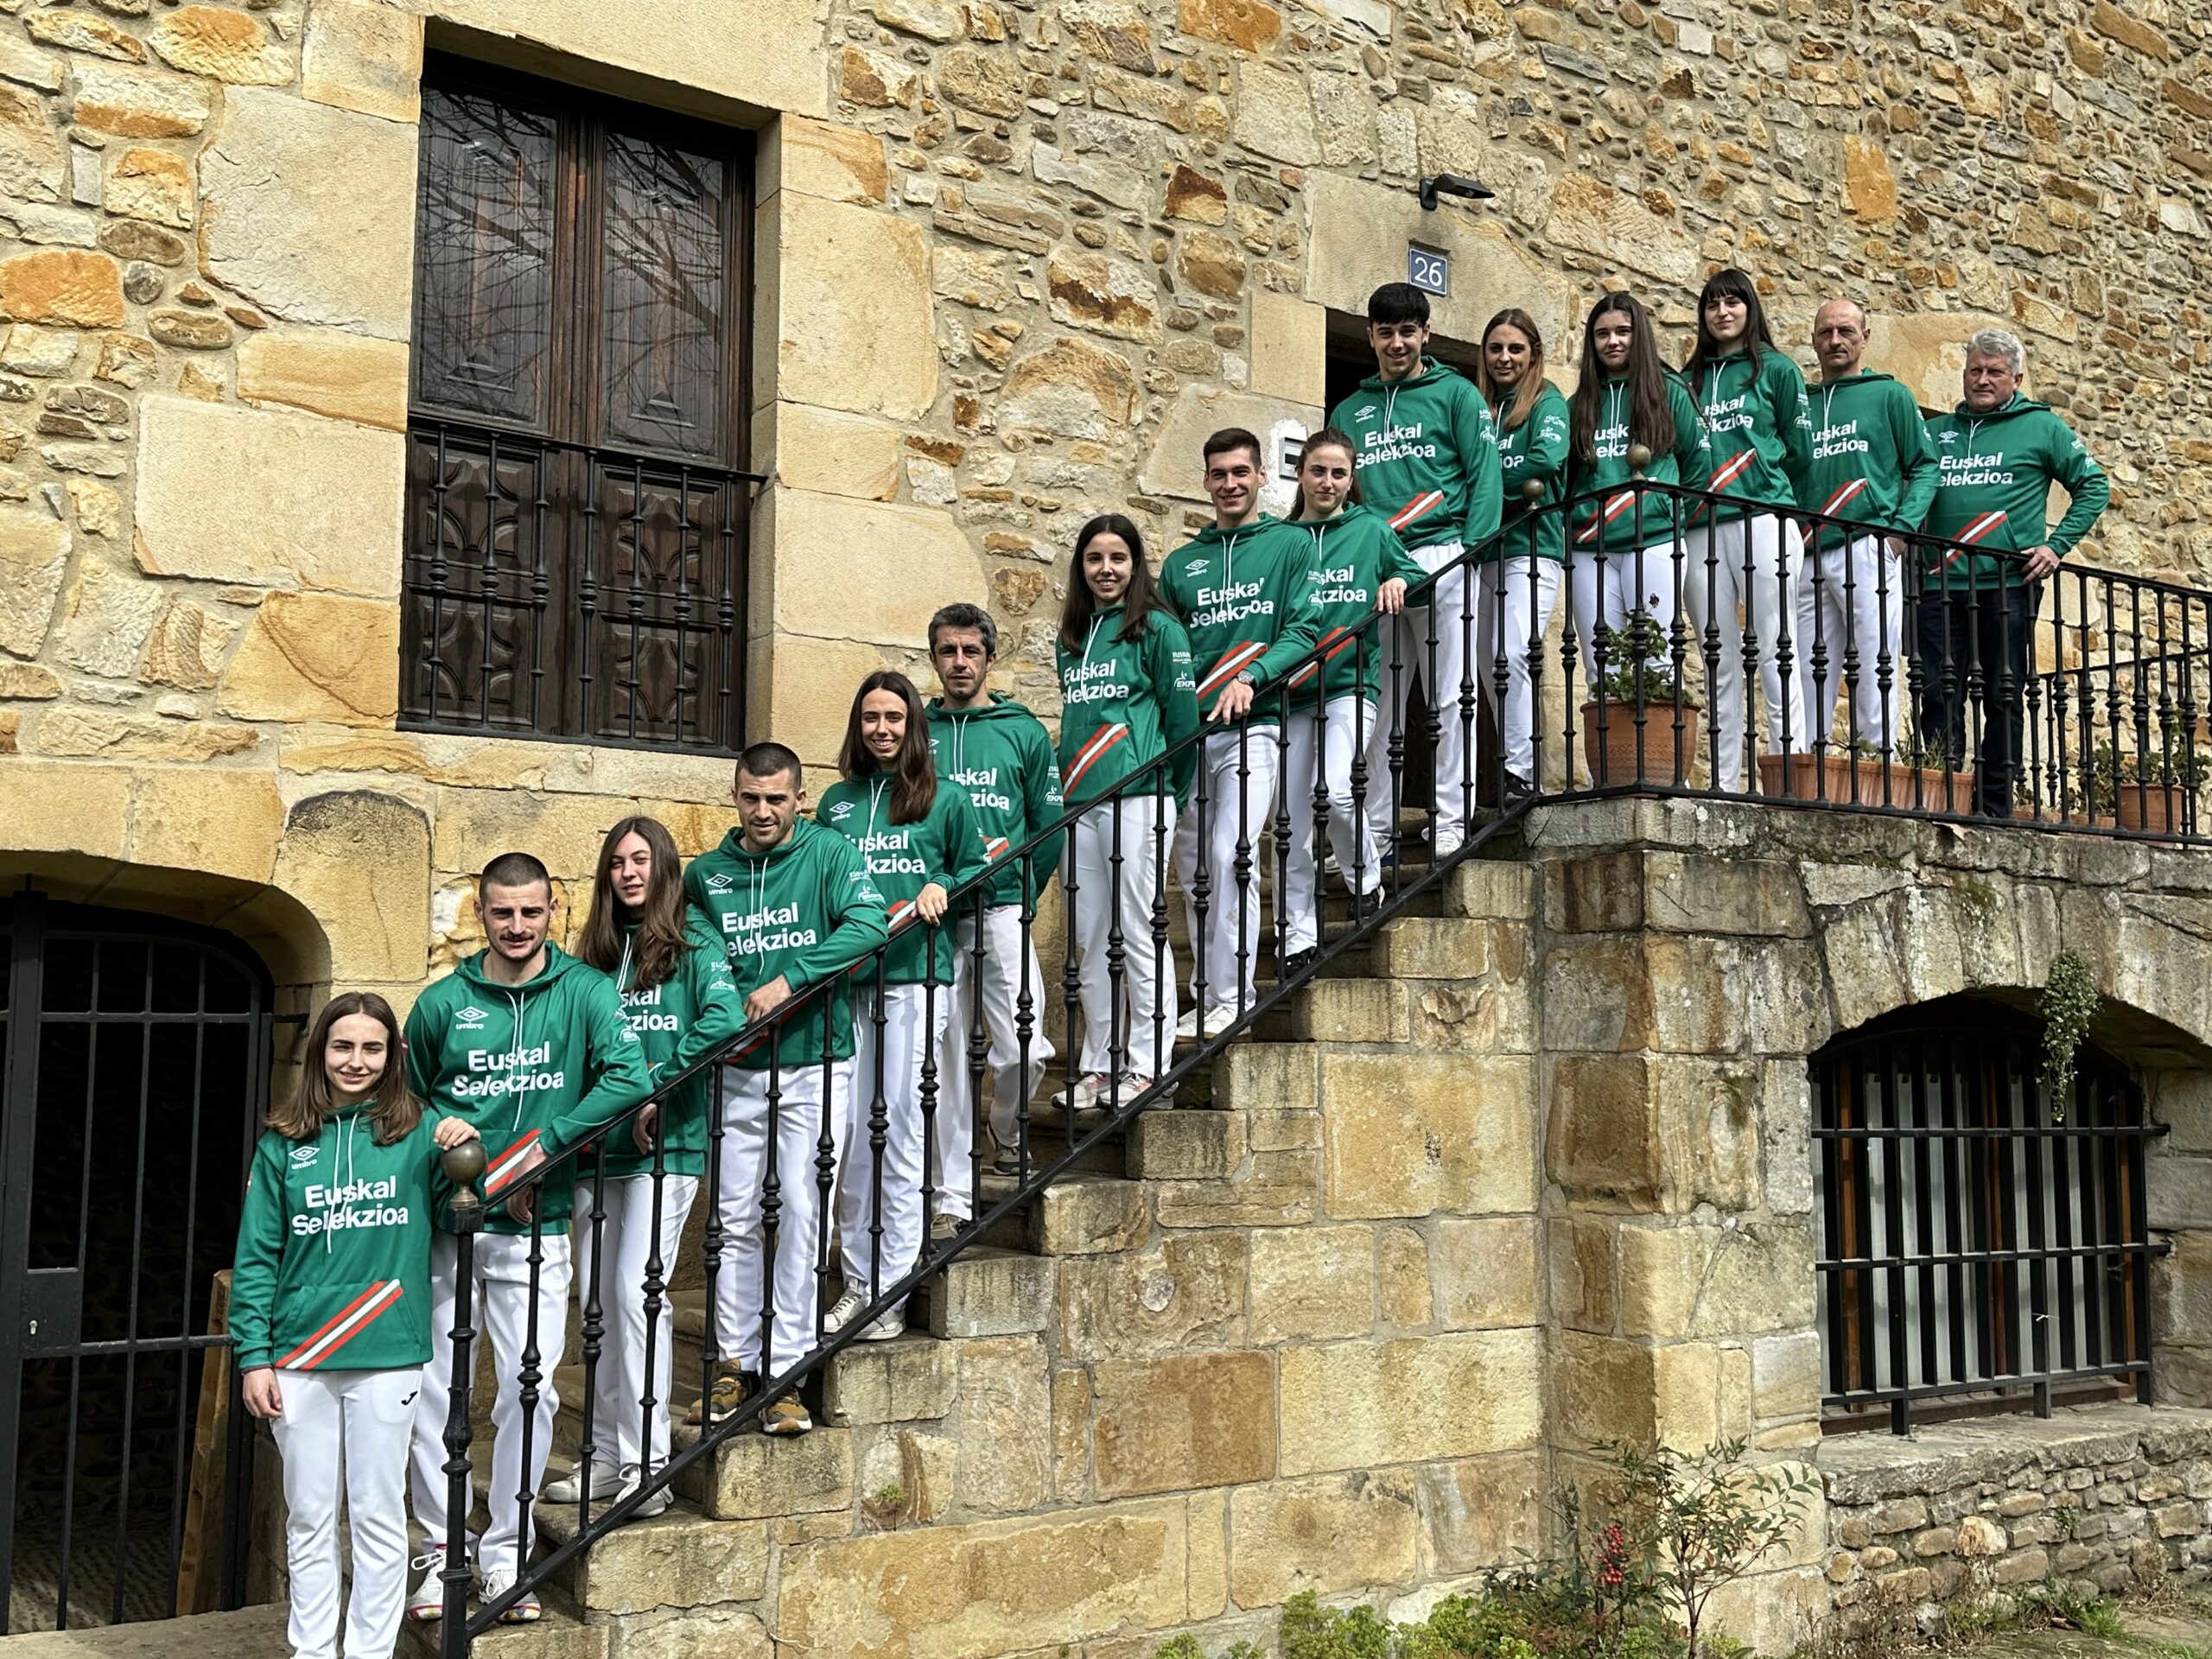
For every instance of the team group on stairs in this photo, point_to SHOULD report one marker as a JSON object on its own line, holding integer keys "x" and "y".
{"x": 1267, "y": 662}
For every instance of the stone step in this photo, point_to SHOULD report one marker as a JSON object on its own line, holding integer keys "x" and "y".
{"x": 986, "y": 1291}
{"x": 680, "y": 1558}
{"x": 1084, "y": 1212}
{"x": 559, "y": 1635}
{"x": 755, "y": 1476}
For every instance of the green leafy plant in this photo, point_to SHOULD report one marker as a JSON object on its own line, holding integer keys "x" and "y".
{"x": 2070, "y": 1002}
{"x": 1639, "y": 664}
{"x": 2172, "y": 764}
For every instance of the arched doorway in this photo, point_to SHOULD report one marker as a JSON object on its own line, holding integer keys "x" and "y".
{"x": 1984, "y": 1246}
{"x": 134, "y": 1067}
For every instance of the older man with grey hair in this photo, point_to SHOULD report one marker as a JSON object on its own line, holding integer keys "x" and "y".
{"x": 1990, "y": 546}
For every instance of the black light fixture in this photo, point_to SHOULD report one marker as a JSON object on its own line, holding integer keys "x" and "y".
{"x": 1451, "y": 184}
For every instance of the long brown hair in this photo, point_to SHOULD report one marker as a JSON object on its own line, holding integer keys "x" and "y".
{"x": 915, "y": 788}
{"x": 657, "y": 950}
{"x": 1650, "y": 417}
{"x": 1139, "y": 599}
{"x": 1329, "y": 437}
{"x": 1532, "y": 382}
{"x": 395, "y": 1111}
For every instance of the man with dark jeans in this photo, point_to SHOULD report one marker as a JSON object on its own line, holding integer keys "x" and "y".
{"x": 1996, "y": 457}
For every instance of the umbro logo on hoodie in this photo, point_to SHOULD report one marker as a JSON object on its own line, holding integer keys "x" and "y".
{"x": 718, "y": 884}
{"x": 841, "y": 810}
{"x": 471, "y": 1017}
{"x": 306, "y": 1154}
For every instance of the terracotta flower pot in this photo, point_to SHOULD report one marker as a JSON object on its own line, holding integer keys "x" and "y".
{"x": 1612, "y": 750}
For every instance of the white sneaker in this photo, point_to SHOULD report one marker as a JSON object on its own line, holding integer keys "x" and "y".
{"x": 1084, "y": 1097}
{"x": 843, "y": 1312}
{"x": 1448, "y": 842}
{"x": 884, "y": 1328}
{"x": 428, "y": 1604}
{"x": 605, "y": 1482}
{"x": 1216, "y": 1021}
{"x": 527, "y": 1609}
{"x": 655, "y": 1503}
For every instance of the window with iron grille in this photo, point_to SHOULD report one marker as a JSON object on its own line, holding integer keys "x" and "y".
{"x": 1977, "y": 1250}
{"x": 576, "y": 500}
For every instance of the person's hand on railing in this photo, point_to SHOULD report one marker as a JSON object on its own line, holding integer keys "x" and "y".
{"x": 932, "y": 902}
{"x": 2038, "y": 561}
{"x": 766, "y": 1000}
{"x": 1235, "y": 698}
{"x": 263, "y": 1398}
{"x": 453, "y": 1131}
{"x": 645, "y": 1126}
{"x": 1390, "y": 597}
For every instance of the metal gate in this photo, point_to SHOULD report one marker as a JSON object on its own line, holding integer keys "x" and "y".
{"x": 134, "y": 1069}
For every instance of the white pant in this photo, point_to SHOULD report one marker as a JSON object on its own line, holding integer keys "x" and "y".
{"x": 1008, "y": 969}
{"x": 1607, "y": 586}
{"x": 502, "y": 1307}
{"x": 619, "y": 1439}
{"x": 363, "y": 1421}
{"x": 1856, "y": 613}
{"x": 739, "y": 1204}
{"x": 1130, "y": 1025}
{"x": 1404, "y": 641}
{"x": 1328, "y": 734}
{"x": 1510, "y": 617}
{"x": 1719, "y": 594}
{"x": 1233, "y": 799}
{"x": 913, "y": 1026}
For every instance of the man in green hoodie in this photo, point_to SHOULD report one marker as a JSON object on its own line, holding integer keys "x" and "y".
{"x": 529, "y": 1045}
{"x": 795, "y": 905}
{"x": 1243, "y": 587}
{"x": 1996, "y": 457}
{"x": 1428, "y": 461}
{"x": 1000, "y": 753}
{"x": 1871, "y": 464}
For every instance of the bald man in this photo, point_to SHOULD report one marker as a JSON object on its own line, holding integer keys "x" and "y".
{"x": 1874, "y": 470}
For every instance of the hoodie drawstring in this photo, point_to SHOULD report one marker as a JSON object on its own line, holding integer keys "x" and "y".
{"x": 514, "y": 1059}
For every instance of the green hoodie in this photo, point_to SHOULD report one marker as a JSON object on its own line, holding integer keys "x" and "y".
{"x": 1124, "y": 703}
{"x": 557, "y": 1044}
{"x": 1352, "y": 554}
{"x": 677, "y": 1021}
{"x": 332, "y": 1269}
{"x": 1756, "y": 423}
{"x": 1427, "y": 456}
{"x": 1001, "y": 754}
{"x": 943, "y": 846}
{"x": 1993, "y": 484}
{"x": 1631, "y": 522}
{"x": 1536, "y": 448}
{"x": 805, "y": 909}
{"x": 1870, "y": 460}
{"x": 1246, "y": 597}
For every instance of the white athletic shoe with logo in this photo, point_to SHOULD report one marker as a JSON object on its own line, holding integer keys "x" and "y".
{"x": 428, "y": 1601}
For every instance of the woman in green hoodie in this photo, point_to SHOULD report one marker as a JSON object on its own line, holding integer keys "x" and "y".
{"x": 1516, "y": 588}
{"x": 1127, "y": 697}
{"x": 1747, "y": 556}
{"x": 631, "y": 1202}
{"x": 920, "y": 841}
{"x": 330, "y": 1313}
{"x": 1360, "y": 570}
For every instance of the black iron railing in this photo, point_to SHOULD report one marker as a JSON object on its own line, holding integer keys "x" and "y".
{"x": 1955, "y": 651}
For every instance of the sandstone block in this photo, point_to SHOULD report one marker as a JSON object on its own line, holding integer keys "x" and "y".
{"x": 28, "y": 682}
{"x": 326, "y": 498}
{"x": 1247, "y": 24}
{"x": 1413, "y": 1134}
{"x": 819, "y": 159}
{"x": 364, "y": 57}
{"x": 1187, "y": 1291}
{"x": 1194, "y": 196}
{"x": 1114, "y": 296}
{"x": 853, "y": 287}
{"x": 1071, "y": 389}
{"x": 1715, "y": 1282}
{"x": 834, "y": 452}
{"x": 33, "y": 556}
{"x": 359, "y": 859}
{"x": 1267, "y": 1077}
{"x": 1273, "y": 1189}
{"x": 1423, "y": 947}
{"x": 1336, "y": 1534}
{"x": 206, "y": 818}
{"x": 674, "y": 1559}
{"x": 1701, "y": 1393}
{"x": 1273, "y": 114}
{"x": 316, "y": 657}
{"x": 565, "y": 830}
{"x": 908, "y": 1380}
{"x": 1593, "y": 216}
{"x": 76, "y": 32}
{"x": 73, "y": 288}
{"x": 222, "y": 45}
{"x": 329, "y": 371}
{"x": 756, "y": 1476}
{"x": 986, "y": 1293}
{"x": 44, "y": 352}
{"x": 149, "y": 184}
{"x": 129, "y": 104}
{"x": 1458, "y": 1395}
{"x": 1289, "y": 346}
{"x": 113, "y": 736}
{"x": 1404, "y": 1291}
{"x": 1187, "y": 1145}
{"x": 725, "y": 1632}
{"x": 1313, "y": 1282}
{"x": 110, "y": 616}
{"x": 30, "y": 159}
{"x": 914, "y": 560}
{"x": 301, "y": 201}
{"x": 1211, "y": 264}
{"x": 1004, "y": 1421}
{"x": 1186, "y": 1420}
{"x": 990, "y": 1587}
{"x": 1488, "y": 1271}
{"x": 1352, "y": 1011}
{"x": 60, "y": 806}
{"x": 1870, "y": 190}
{"x": 875, "y": 82}
{"x": 1481, "y": 1512}
{"x": 1601, "y": 1390}
{"x": 1090, "y": 1216}
{"x": 787, "y": 688}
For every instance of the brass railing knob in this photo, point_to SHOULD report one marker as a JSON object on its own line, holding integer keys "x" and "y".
{"x": 1639, "y": 458}
{"x": 1533, "y": 491}
{"x": 464, "y": 1167}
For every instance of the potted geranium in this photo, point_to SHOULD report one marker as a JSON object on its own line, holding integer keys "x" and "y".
{"x": 1642, "y": 725}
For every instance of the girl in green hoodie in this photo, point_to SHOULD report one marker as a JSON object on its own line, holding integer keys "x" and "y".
{"x": 1747, "y": 556}
{"x": 632, "y": 1200}
{"x": 330, "y": 1313}
{"x": 1360, "y": 569}
{"x": 1516, "y": 588}
{"x": 920, "y": 840}
{"x": 1127, "y": 697}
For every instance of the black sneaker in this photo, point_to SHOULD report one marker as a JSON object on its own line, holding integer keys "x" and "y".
{"x": 1518, "y": 789}
{"x": 1366, "y": 906}
{"x": 1298, "y": 961}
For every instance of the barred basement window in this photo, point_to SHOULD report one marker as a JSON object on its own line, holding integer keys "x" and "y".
{"x": 576, "y": 504}
{"x": 1974, "y": 1250}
